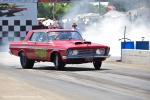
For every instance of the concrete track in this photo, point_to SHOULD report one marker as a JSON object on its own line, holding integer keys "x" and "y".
{"x": 115, "y": 81}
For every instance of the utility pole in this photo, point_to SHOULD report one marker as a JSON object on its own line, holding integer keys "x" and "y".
{"x": 124, "y": 34}
{"x": 99, "y": 8}
{"x": 53, "y": 11}
{"x": 124, "y": 40}
{"x": 53, "y": 5}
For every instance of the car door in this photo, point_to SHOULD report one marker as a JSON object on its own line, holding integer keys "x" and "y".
{"x": 42, "y": 46}
{"x": 32, "y": 45}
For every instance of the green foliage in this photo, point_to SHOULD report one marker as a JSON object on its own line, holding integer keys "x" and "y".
{"x": 56, "y": 10}
{"x": 103, "y": 9}
{"x": 60, "y": 10}
{"x": 5, "y": 6}
{"x": 44, "y": 10}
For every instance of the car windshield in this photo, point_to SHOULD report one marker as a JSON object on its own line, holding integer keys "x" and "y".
{"x": 64, "y": 35}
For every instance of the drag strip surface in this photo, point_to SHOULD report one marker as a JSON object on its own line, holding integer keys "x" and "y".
{"x": 115, "y": 81}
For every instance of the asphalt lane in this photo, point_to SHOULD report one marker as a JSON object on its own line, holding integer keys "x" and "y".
{"x": 115, "y": 81}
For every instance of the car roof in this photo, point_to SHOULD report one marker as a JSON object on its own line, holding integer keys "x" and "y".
{"x": 52, "y": 30}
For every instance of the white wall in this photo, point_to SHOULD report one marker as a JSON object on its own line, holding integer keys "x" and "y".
{"x": 30, "y": 12}
{"x": 136, "y": 56}
{"x": 14, "y": 26}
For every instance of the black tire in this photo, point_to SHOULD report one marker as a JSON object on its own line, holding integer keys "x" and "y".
{"x": 59, "y": 64}
{"x": 97, "y": 64}
{"x": 25, "y": 62}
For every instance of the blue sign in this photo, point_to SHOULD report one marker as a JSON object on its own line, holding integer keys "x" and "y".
{"x": 127, "y": 45}
{"x": 143, "y": 45}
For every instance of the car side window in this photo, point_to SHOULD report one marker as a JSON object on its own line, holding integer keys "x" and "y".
{"x": 39, "y": 37}
{"x": 52, "y": 35}
{"x": 64, "y": 36}
{"x": 42, "y": 37}
{"x": 34, "y": 37}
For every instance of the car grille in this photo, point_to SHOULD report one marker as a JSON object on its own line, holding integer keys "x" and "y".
{"x": 87, "y": 52}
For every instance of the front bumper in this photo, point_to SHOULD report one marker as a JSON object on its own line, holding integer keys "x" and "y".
{"x": 84, "y": 59}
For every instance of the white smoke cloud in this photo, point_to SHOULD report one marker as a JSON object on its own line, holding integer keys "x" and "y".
{"x": 76, "y": 9}
{"x": 108, "y": 31}
{"x": 110, "y": 28}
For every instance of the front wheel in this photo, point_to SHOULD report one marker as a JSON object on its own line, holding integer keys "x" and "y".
{"x": 97, "y": 64}
{"x": 59, "y": 64}
{"x": 25, "y": 62}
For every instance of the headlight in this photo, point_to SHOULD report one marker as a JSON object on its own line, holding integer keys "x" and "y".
{"x": 100, "y": 51}
{"x": 72, "y": 52}
{"x": 75, "y": 52}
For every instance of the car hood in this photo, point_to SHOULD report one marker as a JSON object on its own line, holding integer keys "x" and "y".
{"x": 77, "y": 44}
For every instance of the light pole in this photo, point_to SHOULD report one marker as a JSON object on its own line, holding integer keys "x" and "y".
{"x": 99, "y": 7}
{"x": 124, "y": 41}
{"x": 53, "y": 11}
{"x": 123, "y": 46}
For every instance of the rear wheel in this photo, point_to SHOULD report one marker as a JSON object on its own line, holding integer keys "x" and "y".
{"x": 59, "y": 64}
{"x": 25, "y": 62}
{"x": 97, "y": 64}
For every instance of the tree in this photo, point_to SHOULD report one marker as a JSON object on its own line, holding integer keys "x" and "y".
{"x": 50, "y": 10}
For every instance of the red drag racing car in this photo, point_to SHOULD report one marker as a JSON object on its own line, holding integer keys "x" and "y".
{"x": 60, "y": 46}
